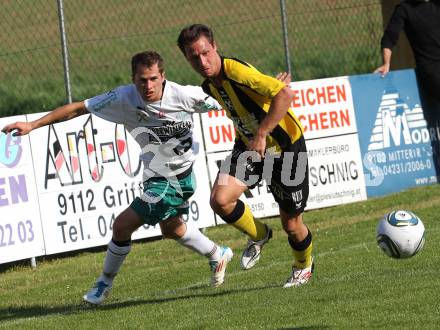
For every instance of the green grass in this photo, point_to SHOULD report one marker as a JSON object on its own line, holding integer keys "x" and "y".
{"x": 162, "y": 285}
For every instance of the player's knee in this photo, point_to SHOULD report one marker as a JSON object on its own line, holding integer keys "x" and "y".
{"x": 125, "y": 224}
{"x": 117, "y": 228}
{"x": 170, "y": 235}
{"x": 219, "y": 203}
{"x": 121, "y": 232}
{"x": 173, "y": 228}
{"x": 293, "y": 225}
{"x": 290, "y": 230}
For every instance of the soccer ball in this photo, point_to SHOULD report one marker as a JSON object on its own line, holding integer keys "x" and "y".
{"x": 400, "y": 234}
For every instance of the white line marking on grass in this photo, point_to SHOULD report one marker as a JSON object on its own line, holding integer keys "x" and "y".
{"x": 204, "y": 284}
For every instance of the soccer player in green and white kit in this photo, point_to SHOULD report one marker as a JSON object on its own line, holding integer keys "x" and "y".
{"x": 158, "y": 114}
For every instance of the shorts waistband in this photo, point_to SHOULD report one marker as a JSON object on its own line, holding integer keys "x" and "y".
{"x": 179, "y": 176}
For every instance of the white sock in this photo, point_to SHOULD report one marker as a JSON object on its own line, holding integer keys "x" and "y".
{"x": 113, "y": 260}
{"x": 193, "y": 239}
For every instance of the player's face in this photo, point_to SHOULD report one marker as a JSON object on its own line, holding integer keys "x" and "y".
{"x": 149, "y": 82}
{"x": 203, "y": 57}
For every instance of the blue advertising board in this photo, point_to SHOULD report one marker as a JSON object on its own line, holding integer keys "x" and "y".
{"x": 393, "y": 134}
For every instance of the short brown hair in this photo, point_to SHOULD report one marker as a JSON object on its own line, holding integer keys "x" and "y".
{"x": 192, "y": 33}
{"x": 147, "y": 58}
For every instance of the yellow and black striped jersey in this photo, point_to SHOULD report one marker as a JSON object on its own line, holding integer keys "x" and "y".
{"x": 246, "y": 95}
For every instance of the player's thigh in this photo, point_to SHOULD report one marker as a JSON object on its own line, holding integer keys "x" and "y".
{"x": 237, "y": 173}
{"x": 226, "y": 189}
{"x": 289, "y": 183}
{"x": 125, "y": 224}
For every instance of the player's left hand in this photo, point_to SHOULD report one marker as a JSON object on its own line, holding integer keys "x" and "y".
{"x": 258, "y": 144}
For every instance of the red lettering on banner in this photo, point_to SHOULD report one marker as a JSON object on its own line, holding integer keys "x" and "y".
{"x": 222, "y": 134}
{"x": 341, "y": 93}
{"x": 334, "y": 119}
{"x": 325, "y": 120}
{"x": 229, "y": 133}
{"x": 215, "y": 113}
{"x": 313, "y": 121}
{"x": 214, "y": 139}
{"x": 319, "y": 95}
{"x": 296, "y": 102}
{"x": 310, "y": 100}
{"x": 345, "y": 117}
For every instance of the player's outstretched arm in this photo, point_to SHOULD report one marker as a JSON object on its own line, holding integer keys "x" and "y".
{"x": 62, "y": 113}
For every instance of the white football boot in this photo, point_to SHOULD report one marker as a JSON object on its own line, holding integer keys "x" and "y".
{"x": 299, "y": 276}
{"x": 218, "y": 267}
{"x": 252, "y": 252}
{"x": 98, "y": 293}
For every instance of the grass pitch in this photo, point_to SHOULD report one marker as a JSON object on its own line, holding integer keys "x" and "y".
{"x": 162, "y": 285}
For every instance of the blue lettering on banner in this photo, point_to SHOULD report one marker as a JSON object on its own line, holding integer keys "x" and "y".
{"x": 16, "y": 233}
{"x": 10, "y": 149}
{"x": 13, "y": 189}
{"x": 393, "y": 135}
{"x": 17, "y": 191}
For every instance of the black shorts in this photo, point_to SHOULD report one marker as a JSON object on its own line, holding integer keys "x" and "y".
{"x": 286, "y": 175}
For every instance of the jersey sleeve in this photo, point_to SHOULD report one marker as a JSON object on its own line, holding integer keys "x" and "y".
{"x": 196, "y": 100}
{"x": 108, "y": 106}
{"x": 247, "y": 75}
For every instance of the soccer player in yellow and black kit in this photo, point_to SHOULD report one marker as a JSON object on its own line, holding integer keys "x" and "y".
{"x": 269, "y": 144}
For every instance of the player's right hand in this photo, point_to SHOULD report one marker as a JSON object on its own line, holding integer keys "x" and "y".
{"x": 18, "y": 128}
{"x": 285, "y": 77}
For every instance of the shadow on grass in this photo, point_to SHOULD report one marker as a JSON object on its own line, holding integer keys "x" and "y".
{"x": 16, "y": 313}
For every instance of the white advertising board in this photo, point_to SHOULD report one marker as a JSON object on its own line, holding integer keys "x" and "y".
{"x": 259, "y": 199}
{"x": 324, "y": 107}
{"x": 218, "y": 131}
{"x": 88, "y": 171}
{"x": 335, "y": 171}
{"x": 21, "y": 235}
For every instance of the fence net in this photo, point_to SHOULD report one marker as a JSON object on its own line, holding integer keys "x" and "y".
{"x": 326, "y": 38}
